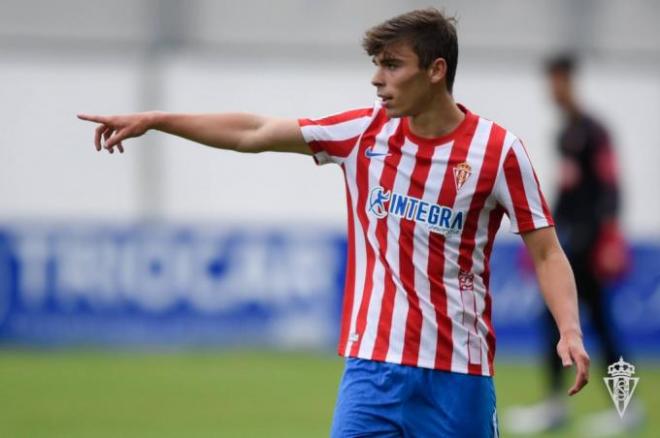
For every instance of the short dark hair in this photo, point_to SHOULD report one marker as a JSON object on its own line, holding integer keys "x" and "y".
{"x": 565, "y": 63}
{"x": 431, "y": 34}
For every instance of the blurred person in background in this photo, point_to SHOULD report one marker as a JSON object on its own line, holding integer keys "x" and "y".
{"x": 428, "y": 183}
{"x": 587, "y": 220}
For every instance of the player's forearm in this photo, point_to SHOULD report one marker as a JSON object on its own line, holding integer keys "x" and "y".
{"x": 558, "y": 288}
{"x": 223, "y": 131}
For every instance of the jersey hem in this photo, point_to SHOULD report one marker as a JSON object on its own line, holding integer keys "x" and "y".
{"x": 415, "y": 365}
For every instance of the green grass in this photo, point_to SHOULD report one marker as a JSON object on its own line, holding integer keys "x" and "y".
{"x": 215, "y": 394}
{"x": 520, "y": 384}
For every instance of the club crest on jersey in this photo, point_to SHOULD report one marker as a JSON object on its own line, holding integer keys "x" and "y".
{"x": 437, "y": 218}
{"x": 465, "y": 281}
{"x": 461, "y": 173}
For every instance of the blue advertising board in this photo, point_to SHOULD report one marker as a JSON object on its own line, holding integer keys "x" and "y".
{"x": 156, "y": 284}
{"x": 169, "y": 285}
{"x": 633, "y": 303}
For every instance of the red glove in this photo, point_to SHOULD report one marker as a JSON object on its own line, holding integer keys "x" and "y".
{"x": 611, "y": 255}
{"x": 525, "y": 263}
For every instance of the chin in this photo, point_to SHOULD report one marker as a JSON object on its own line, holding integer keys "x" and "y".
{"x": 393, "y": 113}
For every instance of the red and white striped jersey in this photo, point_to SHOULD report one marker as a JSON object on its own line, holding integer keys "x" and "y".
{"x": 422, "y": 216}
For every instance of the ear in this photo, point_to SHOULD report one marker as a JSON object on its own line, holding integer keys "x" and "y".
{"x": 437, "y": 70}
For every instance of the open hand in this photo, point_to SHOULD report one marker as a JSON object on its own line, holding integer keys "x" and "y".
{"x": 113, "y": 130}
{"x": 570, "y": 349}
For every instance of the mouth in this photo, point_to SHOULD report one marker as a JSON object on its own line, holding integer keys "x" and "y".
{"x": 385, "y": 99}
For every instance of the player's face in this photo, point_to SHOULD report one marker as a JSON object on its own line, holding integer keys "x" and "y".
{"x": 561, "y": 89}
{"x": 402, "y": 85}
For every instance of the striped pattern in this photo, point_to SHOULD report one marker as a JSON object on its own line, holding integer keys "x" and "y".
{"x": 418, "y": 295}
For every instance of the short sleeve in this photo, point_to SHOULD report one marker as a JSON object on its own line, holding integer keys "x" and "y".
{"x": 518, "y": 190}
{"x": 333, "y": 138}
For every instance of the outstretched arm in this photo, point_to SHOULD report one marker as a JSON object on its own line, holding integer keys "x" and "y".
{"x": 558, "y": 288}
{"x": 235, "y": 131}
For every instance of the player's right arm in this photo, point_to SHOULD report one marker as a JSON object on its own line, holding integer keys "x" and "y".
{"x": 240, "y": 132}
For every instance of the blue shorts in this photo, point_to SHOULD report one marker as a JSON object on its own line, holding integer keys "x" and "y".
{"x": 379, "y": 399}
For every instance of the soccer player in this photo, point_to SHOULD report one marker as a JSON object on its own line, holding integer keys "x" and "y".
{"x": 587, "y": 213}
{"x": 427, "y": 183}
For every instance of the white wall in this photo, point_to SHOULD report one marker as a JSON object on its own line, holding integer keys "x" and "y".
{"x": 47, "y": 164}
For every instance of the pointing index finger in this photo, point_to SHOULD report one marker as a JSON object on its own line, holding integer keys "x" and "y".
{"x": 92, "y": 118}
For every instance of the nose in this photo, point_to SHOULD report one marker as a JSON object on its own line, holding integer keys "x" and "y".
{"x": 377, "y": 78}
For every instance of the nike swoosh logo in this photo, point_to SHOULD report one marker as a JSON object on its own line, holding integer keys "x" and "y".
{"x": 369, "y": 152}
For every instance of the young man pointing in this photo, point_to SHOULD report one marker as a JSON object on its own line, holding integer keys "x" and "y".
{"x": 427, "y": 184}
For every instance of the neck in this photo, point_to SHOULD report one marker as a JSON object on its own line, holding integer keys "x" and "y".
{"x": 571, "y": 107}
{"x": 573, "y": 111}
{"x": 440, "y": 118}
